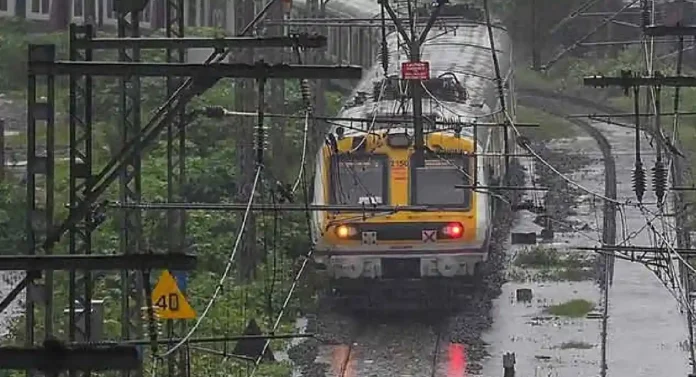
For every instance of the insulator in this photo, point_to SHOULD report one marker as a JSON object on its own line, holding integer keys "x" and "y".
{"x": 384, "y": 56}
{"x": 645, "y": 13}
{"x": 306, "y": 92}
{"x": 659, "y": 180}
{"x": 639, "y": 181}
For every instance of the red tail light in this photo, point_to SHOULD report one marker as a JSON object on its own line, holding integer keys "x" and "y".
{"x": 453, "y": 230}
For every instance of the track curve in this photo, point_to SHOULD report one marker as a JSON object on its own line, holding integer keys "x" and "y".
{"x": 553, "y": 103}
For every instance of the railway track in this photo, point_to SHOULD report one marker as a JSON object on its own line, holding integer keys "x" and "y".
{"x": 375, "y": 347}
{"x": 557, "y": 105}
{"x": 417, "y": 345}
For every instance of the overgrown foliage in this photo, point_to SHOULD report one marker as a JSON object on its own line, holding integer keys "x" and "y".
{"x": 574, "y": 308}
{"x": 212, "y": 176}
{"x": 544, "y": 263}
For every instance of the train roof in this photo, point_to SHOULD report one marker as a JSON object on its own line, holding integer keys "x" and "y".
{"x": 458, "y": 56}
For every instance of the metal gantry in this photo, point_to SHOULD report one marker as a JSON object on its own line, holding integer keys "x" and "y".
{"x": 128, "y": 19}
{"x": 176, "y": 170}
{"x": 661, "y": 260}
{"x": 86, "y": 186}
{"x": 40, "y": 167}
{"x": 80, "y": 109}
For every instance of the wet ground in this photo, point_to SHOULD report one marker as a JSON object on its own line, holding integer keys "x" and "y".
{"x": 646, "y": 332}
{"x": 410, "y": 345}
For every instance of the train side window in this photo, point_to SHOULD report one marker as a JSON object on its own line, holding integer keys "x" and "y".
{"x": 357, "y": 180}
{"x": 434, "y": 183}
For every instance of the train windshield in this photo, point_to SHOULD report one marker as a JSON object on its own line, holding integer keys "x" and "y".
{"x": 434, "y": 183}
{"x": 360, "y": 180}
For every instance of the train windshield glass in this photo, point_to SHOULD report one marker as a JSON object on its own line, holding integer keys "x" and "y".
{"x": 359, "y": 180}
{"x": 435, "y": 182}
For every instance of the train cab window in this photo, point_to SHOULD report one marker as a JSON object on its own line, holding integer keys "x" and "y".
{"x": 359, "y": 180}
{"x": 434, "y": 183}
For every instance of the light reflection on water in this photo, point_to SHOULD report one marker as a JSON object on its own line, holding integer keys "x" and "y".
{"x": 646, "y": 330}
{"x": 457, "y": 360}
{"x": 343, "y": 361}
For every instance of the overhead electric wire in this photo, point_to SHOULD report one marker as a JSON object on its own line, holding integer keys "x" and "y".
{"x": 555, "y": 171}
{"x": 672, "y": 252}
{"x": 228, "y": 267}
{"x": 307, "y": 258}
{"x": 304, "y": 154}
{"x": 374, "y": 116}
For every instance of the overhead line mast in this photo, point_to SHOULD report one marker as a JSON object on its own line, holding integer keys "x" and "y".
{"x": 414, "y": 44}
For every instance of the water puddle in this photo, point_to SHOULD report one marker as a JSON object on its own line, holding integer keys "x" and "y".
{"x": 646, "y": 330}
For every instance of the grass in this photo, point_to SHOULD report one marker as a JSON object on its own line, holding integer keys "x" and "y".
{"x": 537, "y": 257}
{"x": 574, "y": 308}
{"x": 548, "y": 264}
{"x": 575, "y": 345}
{"x": 550, "y": 126}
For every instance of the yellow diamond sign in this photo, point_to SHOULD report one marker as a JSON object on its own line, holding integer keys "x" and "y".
{"x": 168, "y": 300}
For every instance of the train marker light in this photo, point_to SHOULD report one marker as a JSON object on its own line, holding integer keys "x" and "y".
{"x": 453, "y": 230}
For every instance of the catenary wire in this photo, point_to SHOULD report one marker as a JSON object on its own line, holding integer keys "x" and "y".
{"x": 228, "y": 268}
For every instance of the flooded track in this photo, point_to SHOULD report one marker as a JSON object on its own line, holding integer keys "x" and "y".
{"x": 391, "y": 346}
{"x": 646, "y": 331}
{"x": 436, "y": 345}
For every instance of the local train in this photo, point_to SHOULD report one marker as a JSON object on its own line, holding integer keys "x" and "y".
{"x": 372, "y": 162}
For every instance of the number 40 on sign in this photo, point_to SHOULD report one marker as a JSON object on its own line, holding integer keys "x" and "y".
{"x": 168, "y": 300}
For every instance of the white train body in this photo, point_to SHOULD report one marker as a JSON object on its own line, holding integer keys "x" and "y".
{"x": 460, "y": 53}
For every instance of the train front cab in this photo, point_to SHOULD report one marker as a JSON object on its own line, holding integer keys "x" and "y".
{"x": 408, "y": 246}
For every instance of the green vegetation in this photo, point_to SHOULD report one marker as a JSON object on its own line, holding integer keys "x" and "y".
{"x": 213, "y": 175}
{"x": 543, "y": 263}
{"x": 550, "y": 126}
{"x": 567, "y": 73}
{"x": 575, "y": 345}
{"x": 574, "y": 308}
{"x": 538, "y": 257}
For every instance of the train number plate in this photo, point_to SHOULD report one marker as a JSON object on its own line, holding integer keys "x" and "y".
{"x": 429, "y": 236}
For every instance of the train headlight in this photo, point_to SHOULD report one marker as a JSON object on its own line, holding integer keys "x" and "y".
{"x": 346, "y": 231}
{"x": 453, "y": 230}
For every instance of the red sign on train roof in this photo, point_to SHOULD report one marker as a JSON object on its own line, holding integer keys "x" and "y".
{"x": 415, "y": 70}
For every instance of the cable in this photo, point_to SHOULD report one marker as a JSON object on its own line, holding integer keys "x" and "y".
{"x": 374, "y": 115}
{"x": 296, "y": 279}
{"x": 304, "y": 154}
{"x": 223, "y": 279}
{"x": 511, "y": 123}
{"x": 496, "y": 65}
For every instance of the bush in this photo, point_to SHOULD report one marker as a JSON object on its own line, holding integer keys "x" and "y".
{"x": 538, "y": 257}
{"x": 574, "y": 308}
